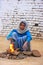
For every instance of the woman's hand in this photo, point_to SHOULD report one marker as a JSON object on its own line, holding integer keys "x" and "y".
{"x": 25, "y": 46}
{"x": 10, "y": 39}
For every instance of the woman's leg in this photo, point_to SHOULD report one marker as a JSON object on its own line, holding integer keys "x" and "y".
{"x": 23, "y": 40}
{"x": 19, "y": 42}
{"x": 14, "y": 40}
{"x": 28, "y": 47}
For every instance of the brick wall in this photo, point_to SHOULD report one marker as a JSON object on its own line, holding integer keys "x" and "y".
{"x": 13, "y": 11}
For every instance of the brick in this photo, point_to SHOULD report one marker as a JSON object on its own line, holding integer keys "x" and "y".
{"x": 12, "y": 15}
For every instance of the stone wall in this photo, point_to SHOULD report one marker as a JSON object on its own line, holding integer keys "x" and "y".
{"x": 13, "y": 11}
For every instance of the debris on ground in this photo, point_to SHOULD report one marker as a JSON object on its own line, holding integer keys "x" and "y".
{"x": 20, "y": 54}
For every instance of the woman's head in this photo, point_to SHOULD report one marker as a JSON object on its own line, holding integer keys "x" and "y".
{"x": 22, "y": 25}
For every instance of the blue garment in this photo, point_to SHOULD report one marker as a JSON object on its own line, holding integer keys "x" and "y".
{"x": 20, "y": 39}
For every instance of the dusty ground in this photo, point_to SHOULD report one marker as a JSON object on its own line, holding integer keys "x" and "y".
{"x": 35, "y": 44}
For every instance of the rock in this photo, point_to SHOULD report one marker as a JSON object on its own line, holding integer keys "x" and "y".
{"x": 21, "y": 56}
{"x": 27, "y": 53}
{"x": 36, "y": 53}
{"x": 16, "y": 53}
{"x": 17, "y": 49}
{"x": 2, "y": 55}
{"x": 14, "y": 57}
{"x": 5, "y": 53}
{"x": 10, "y": 57}
{"x": 7, "y": 56}
{"x": 8, "y": 51}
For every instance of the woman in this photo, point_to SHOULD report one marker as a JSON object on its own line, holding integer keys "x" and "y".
{"x": 20, "y": 37}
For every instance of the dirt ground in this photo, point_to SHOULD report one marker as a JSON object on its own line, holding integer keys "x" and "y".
{"x": 35, "y": 44}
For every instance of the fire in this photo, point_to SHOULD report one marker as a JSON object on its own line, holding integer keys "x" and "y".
{"x": 11, "y": 47}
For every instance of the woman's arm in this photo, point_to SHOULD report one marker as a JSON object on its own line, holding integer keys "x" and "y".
{"x": 29, "y": 36}
{"x": 9, "y": 36}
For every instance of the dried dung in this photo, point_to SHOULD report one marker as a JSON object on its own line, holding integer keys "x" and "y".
{"x": 36, "y": 53}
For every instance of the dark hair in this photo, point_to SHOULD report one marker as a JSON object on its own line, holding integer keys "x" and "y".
{"x": 23, "y": 23}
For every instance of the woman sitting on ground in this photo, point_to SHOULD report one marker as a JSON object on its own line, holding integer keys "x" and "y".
{"x": 20, "y": 37}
